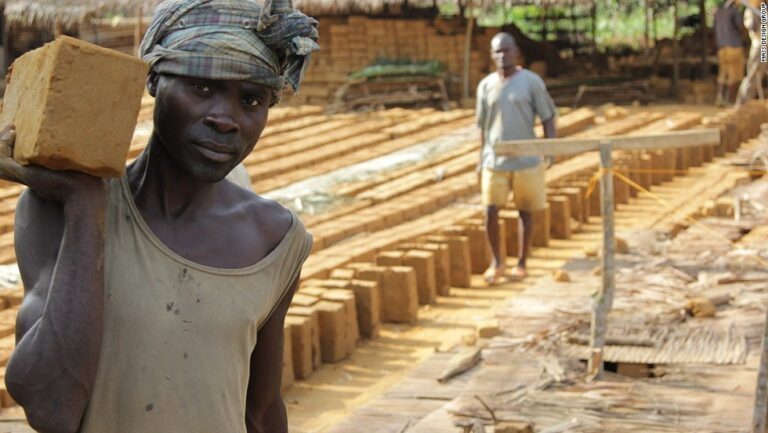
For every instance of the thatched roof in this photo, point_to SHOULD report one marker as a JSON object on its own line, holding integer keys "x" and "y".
{"x": 66, "y": 13}
{"x": 69, "y": 13}
{"x": 347, "y": 7}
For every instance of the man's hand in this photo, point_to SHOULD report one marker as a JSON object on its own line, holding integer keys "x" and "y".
{"x": 62, "y": 187}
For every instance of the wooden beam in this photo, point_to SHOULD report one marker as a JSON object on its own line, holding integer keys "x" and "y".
{"x": 604, "y": 302}
{"x": 761, "y": 390}
{"x": 673, "y": 89}
{"x": 468, "y": 51}
{"x": 566, "y": 146}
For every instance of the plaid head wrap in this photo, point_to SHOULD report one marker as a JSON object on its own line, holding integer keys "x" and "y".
{"x": 231, "y": 40}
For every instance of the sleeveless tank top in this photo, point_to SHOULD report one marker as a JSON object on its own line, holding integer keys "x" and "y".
{"x": 178, "y": 336}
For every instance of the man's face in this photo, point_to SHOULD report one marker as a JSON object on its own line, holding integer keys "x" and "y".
{"x": 504, "y": 53}
{"x": 209, "y": 126}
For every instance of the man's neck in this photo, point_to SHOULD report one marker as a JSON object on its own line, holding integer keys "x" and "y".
{"x": 507, "y": 72}
{"x": 160, "y": 187}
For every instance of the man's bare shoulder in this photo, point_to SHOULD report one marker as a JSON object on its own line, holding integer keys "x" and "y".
{"x": 265, "y": 215}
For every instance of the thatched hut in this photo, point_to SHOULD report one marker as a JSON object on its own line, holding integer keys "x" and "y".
{"x": 28, "y": 24}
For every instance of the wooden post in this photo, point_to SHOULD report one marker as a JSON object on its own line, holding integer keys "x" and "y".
{"x": 468, "y": 51}
{"x": 137, "y": 30}
{"x": 704, "y": 47}
{"x": 673, "y": 89}
{"x": 647, "y": 26}
{"x": 761, "y": 391}
{"x": 6, "y": 44}
{"x": 604, "y": 302}
{"x": 594, "y": 29}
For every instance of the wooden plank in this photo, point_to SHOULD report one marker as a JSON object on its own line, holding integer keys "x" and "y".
{"x": 567, "y": 146}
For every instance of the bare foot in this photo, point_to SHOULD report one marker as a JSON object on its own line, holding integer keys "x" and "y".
{"x": 518, "y": 273}
{"x": 495, "y": 275}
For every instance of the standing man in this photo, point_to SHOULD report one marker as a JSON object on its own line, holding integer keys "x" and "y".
{"x": 752, "y": 83}
{"x": 508, "y": 100}
{"x": 155, "y": 302}
{"x": 729, "y": 29}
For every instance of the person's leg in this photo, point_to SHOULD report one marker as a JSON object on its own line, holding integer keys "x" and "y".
{"x": 735, "y": 73}
{"x": 494, "y": 186}
{"x": 525, "y": 238}
{"x": 733, "y": 90}
{"x": 721, "y": 74}
{"x": 492, "y": 232}
{"x": 530, "y": 195}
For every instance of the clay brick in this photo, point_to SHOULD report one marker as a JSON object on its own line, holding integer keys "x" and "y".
{"x": 573, "y": 194}
{"x": 8, "y": 321}
{"x": 423, "y": 263}
{"x": 7, "y": 344}
{"x": 343, "y": 274}
{"x": 560, "y": 221}
{"x": 368, "y": 305}
{"x": 302, "y": 300}
{"x": 300, "y": 329}
{"x": 314, "y": 318}
{"x": 480, "y": 252}
{"x": 488, "y": 329}
{"x": 586, "y": 202}
{"x": 657, "y": 164}
{"x": 399, "y": 295}
{"x": 697, "y": 156}
{"x": 92, "y": 135}
{"x": 328, "y": 283}
{"x": 442, "y": 266}
{"x": 683, "y": 159}
{"x": 288, "y": 376}
{"x": 311, "y": 291}
{"x": 333, "y": 331}
{"x": 620, "y": 188}
{"x": 390, "y": 258}
{"x": 13, "y": 296}
{"x": 460, "y": 262}
{"x": 347, "y": 299}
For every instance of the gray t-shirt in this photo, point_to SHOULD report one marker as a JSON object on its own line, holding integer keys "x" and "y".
{"x": 506, "y": 110}
{"x": 728, "y": 25}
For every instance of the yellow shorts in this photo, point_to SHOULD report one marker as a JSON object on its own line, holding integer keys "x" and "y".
{"x": 730, "y": 65}
{"x": 528, "y": 187}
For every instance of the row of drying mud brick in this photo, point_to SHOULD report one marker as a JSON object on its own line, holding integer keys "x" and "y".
{"x": 333, "y": 310}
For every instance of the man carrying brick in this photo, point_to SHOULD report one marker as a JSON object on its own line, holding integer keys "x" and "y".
{"x": 508, "y": 100}
{"x": 155, "y": 302}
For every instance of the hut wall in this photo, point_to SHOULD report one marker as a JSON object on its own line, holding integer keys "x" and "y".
{"x": 350, "y": 44}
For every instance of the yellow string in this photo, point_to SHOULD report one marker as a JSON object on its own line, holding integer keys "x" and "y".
{"x": 679, "y": 172}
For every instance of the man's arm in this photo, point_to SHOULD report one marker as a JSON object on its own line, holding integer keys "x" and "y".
{"x": 60, "y": 251}
{"x": 550, "y": 127}
{"x": 265, "y": 410}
